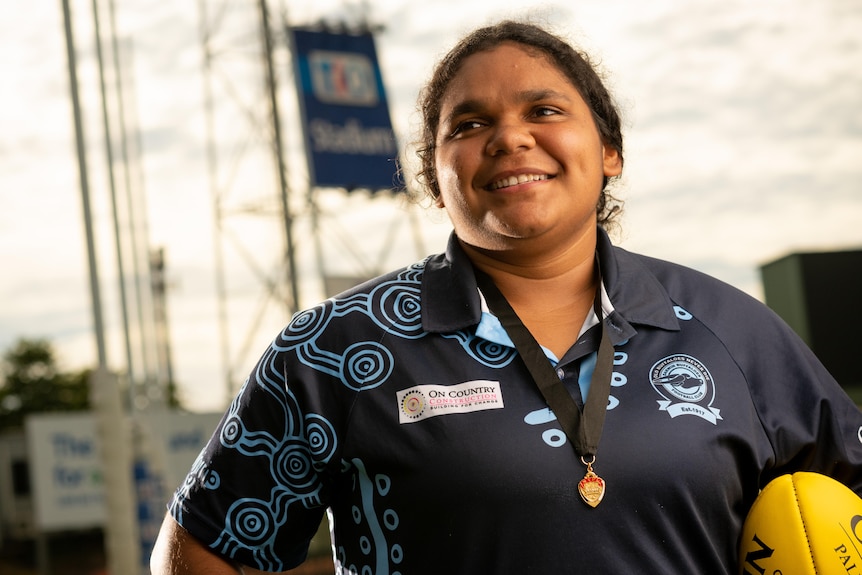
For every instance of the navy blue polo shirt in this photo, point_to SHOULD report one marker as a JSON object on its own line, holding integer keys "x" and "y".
{"x": 435, "y": 453}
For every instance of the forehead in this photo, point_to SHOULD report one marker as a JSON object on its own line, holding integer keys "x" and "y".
{"x": 506, "y": 66}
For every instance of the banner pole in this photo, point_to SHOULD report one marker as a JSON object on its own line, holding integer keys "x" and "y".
{"x": 278, "y": 151}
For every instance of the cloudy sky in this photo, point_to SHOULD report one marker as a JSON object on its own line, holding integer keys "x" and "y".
{"x": 743, "y": 124}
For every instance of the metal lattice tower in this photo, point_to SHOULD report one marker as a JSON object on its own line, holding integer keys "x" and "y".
{"x": 293, "y": 244}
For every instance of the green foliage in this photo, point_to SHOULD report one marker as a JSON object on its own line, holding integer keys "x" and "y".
{"x": 32, "y": 383}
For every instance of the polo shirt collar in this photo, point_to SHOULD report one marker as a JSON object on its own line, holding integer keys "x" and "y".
{"x": 451, "y": 302}
{"x": 636, "y": 293}
{"x": 450, "y": 297}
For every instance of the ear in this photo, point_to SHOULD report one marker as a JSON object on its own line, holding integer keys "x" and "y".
{"x": 438, "y": 201}
{"x": 611, "y": 161}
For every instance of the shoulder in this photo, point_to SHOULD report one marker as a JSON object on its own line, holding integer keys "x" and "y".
{"x": 689, "y": 287}
{"x": 752, "y": 333}
{"x": 738, "y": 319}
{"x": 389, "y": 302}
{"x": 406, "y": 276}
{"x": 650, "y": 291}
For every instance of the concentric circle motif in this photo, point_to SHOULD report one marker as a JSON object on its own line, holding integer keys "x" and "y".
{"x": 232, "y": 431}
{"x": 366, "y": 365}
{"x": 212, "y": 480}
{"x": 305, "y": 325}
{"x": 293, "y": 468}
{"x": 251, "y": 521}
{"x": 490, "y": 353}
{"x": 397, "y": 308}
{"x": 321, "y": 436}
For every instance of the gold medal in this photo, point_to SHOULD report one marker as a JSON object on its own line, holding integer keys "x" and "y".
{"x": 591, "y": 487}
{"x": 583, "y": 429}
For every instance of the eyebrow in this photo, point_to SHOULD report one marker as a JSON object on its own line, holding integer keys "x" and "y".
{"x": 474, "y": 105}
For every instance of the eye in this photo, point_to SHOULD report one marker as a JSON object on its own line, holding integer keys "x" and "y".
{"x": 465, "y": 126}
{"x": 545, "y": 111}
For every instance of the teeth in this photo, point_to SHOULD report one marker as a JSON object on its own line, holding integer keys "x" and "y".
{"x": 514, "y": 180}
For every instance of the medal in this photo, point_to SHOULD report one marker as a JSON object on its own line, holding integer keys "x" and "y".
{"x": 583, "y": 429}
{"x": 591, "y": 487}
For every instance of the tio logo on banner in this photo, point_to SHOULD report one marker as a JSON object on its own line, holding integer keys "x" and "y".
{"x": 343, "y": 78}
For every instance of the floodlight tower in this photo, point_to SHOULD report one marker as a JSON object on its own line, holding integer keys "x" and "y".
{"x": 327, "y": 229}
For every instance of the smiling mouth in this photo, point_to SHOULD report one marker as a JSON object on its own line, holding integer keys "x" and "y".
{"x": 515, "y": 180}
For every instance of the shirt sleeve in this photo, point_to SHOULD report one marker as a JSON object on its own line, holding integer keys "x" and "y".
{"x": 256, "y": 493}
{"x": 811, "y": 422}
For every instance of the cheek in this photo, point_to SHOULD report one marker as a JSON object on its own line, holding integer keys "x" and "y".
{"x": 454, "y": 197}
{"x": 448, "y": 177}
{"x": 581, "y": 147}
{"x": 447, "y": 183}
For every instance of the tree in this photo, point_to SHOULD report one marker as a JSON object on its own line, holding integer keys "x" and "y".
{"x": 32, "y": 383}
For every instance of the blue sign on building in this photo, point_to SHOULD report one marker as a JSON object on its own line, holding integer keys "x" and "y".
{"x": 348, "y": 131}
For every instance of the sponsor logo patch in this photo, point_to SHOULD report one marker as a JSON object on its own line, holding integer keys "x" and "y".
{"x": 424, "y": 401}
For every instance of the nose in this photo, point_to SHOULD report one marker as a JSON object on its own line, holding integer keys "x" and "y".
{"x": 510, "y": 136}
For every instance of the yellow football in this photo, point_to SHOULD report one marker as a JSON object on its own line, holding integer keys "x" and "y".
{"x": 803, "y": 524}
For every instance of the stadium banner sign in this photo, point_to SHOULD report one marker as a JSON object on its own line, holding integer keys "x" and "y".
{"x": 66, "y": 471}
{"x": 348, "y": 132}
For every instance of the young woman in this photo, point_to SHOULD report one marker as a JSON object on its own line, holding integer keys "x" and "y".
{"x": 534, "y": 400}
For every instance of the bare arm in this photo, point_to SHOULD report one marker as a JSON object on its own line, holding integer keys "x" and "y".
{"x": 176, "y": 552}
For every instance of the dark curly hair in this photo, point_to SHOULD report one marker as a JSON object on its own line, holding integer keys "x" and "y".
{"x": 574, "y": 65}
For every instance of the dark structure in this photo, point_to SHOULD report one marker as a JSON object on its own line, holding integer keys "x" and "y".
{"x": 820, "y": 296}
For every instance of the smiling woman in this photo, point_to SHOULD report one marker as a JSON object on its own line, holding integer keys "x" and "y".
{"x": 518, "y": 156}
{"x": 574, "y": 67}
{"x": 634, "y": 406}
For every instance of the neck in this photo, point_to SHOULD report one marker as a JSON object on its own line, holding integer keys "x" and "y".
{"x": 552, "y": 294}
{"x": 570, "y": 267}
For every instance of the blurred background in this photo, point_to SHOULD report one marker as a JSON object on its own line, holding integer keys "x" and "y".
{"x": 161, "y": 218}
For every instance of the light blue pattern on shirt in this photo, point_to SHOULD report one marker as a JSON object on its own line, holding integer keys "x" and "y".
{"x": 492, "y": 330}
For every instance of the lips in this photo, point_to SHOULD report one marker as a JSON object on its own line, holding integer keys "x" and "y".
{"x": 509, "y": 181}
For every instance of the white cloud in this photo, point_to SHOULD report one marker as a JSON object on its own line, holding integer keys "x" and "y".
{"x": 744, "y": 134}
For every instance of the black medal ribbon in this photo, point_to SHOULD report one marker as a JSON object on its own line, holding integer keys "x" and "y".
{"x": 583, "y": 430}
